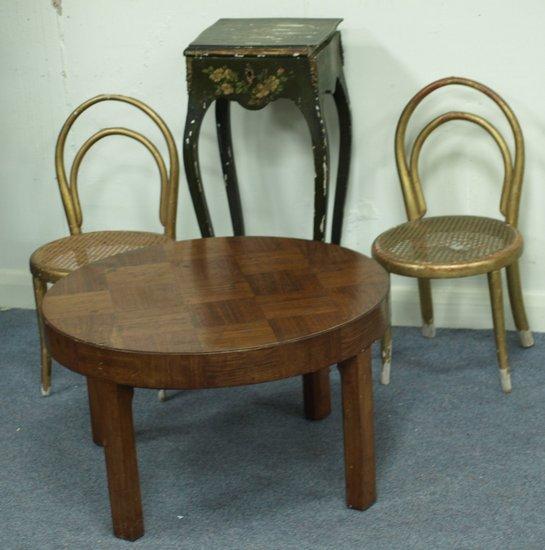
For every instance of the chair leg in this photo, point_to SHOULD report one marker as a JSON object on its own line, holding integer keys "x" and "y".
{"x": 426, "y": 307}
{"x": 162, "y": 395}
{"x": 386, "y": 353}
{"x": 496, "y": 299}
{"x": 40, "y": 288}
{"x": 517, "y": 305}
{"x": 386, "y": 347}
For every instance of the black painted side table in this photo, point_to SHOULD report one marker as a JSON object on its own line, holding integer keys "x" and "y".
{"x": 254, "y": 62}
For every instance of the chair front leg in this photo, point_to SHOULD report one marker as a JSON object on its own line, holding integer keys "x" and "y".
{"x": 386, "y": 345}
{"x": 40, "y": 288}
{"x": 517, "y": 305}
{"x": 496, "y": 299}
{"x": 426, "y": 308}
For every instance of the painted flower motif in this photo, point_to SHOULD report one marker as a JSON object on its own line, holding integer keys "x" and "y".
{"x": 222, "y": 73}
{"x": 260, "y": 86}
{"x": 272, "y": 83}
{"x": 261, "y": 91}
{"x": 217, "y": 75}
{"x": 227, "y": 88}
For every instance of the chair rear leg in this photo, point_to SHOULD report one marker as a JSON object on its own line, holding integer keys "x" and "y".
{"x": 517, "y": 305}
{"x": 496, "y": 299}
{"x": 40, "y": 288}
{"x": 426, "y": 308}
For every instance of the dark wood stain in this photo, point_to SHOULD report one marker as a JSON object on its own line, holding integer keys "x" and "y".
{"x": 216, "y": 312}
{"x": 255, "y": 62}
{"x": 220, "y": 312}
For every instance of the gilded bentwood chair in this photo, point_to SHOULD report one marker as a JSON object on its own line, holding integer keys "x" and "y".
{"x": 58, "y": 258}
{"x": 458, "y": 246}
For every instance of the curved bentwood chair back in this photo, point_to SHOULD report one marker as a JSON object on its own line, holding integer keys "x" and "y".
{"x": 58, "y": 258}
{"x": 458, "y": 246}
{"x": 415, "y": 203}
{"x": 169, "y": 179}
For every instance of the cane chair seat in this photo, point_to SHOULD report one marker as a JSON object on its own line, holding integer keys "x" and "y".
{"x": 56, "y": 259}
{"x": 448, "y": 246}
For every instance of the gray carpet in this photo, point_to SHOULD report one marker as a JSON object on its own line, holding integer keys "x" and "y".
{"x": 460, "y": 465}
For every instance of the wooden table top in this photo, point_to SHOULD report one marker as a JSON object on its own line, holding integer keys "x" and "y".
{"x": 210, "y": 303}
{"x": 303, "y": 35}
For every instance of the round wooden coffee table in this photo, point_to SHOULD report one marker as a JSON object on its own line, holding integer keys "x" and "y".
{"x": 219, "y": 312}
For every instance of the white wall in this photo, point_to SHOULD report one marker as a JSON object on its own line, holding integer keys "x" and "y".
{"x": 56, "y": 54}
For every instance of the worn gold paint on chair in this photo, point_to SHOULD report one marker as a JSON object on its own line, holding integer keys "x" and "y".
{"x": 58, "y": 258}
{"x": 458, "y": 246}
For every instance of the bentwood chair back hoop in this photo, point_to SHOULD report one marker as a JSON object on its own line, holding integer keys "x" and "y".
{"x": 458, "y": 246}
{"x": 415, "y": 203}
{"x": 56, "y": 259}
{"x": 169, "y": 179}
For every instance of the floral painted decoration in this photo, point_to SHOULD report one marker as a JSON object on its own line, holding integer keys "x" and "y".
{"x": 263, "y": 86}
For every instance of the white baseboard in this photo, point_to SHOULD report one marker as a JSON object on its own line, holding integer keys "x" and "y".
{"x": 462, "y": 307}
{"x": 454, "y": 307}
{"x": 16, "y": 289}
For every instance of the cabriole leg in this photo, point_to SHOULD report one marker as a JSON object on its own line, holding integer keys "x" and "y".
{"x": 345, "y": 148}
{"x": 314, "y": 115}
{"x": 40, "y": 288}
{"x": 195, "y": 114}
{"x": 496, "y": 299}
{"x": 517, "y": 305}
{"x": 228, "y": 167}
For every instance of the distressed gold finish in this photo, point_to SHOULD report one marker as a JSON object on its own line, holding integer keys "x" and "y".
{"x": 59, "y": 258}
{"x": 56, "y": 259}
{"x": 40, "y": 288}
{"x": 459, "y": 246}
{"x": 496, "y": 299}
{"x": 445, "y": 247}
{"x": 386, "y": 344}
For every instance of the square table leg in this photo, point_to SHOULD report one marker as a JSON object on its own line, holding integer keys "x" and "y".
{"x": 317, "y": 394}
{"x": 121, "y": 464}
{"x": 95, "y": 410}
{"x": 359, "y": 448}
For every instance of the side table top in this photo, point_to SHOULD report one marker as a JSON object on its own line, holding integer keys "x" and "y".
{"x": 212, "y": 299}
{"x": 229, "y": 36}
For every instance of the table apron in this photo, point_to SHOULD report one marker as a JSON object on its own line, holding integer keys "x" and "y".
{"x": 209, "y": 370}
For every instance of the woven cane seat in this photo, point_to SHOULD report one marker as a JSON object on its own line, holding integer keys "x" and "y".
{"x": 448, "y": 246}
{"x": 58, "y": 258}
